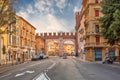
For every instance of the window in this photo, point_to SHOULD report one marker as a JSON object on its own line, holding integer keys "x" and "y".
{"x": 9, "y": 39}
{"x": 97, "y": 40}
{"x": 13, "y": 40}
{"x": 96, "y": 1}
{"x": 97, "y": 28}
{"x": 96, "y": 13}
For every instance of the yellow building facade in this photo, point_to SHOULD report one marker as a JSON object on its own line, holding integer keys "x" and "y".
{"x": 3, "y": 36}
{"x": 27, "y": 39}
{"x": 20, "y": 45}
{"x": 40, "y": 44}
{"x": 95, "y": 46}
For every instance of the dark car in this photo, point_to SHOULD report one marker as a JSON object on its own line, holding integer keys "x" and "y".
{"x": 35, "y": 57}
{"x": 65, "y": 56}
{"x": 41, "y": 56}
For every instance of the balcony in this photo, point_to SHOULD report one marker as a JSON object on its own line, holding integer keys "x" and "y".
{"x": 95, "y": 44}
{"x": 92, "y": 33}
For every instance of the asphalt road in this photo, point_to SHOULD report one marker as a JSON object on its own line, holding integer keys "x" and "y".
{"x": 56, "y": 68}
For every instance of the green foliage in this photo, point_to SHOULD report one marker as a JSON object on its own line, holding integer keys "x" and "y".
{"x": 4, "y": 49}
{"x": 110, "y": 22}
{"x": 7, "y": 16}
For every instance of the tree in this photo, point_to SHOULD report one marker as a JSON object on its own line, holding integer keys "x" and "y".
{"x": 7, "y": 16}
{"x": 110, "y": 22}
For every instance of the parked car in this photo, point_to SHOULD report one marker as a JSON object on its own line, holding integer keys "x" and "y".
{"x": 45, "y": 56}
{"x": 65, "y": 56}
{"x": 35, "y": 57}
{"x": 41, "y": 56}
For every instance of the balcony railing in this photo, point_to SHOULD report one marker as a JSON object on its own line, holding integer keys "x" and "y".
{"x": 92, "y": 33}
{"x": 95, "y": 44}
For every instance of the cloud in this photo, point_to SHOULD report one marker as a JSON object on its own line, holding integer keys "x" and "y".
{"x": 23, "y": 14}
{"x": 76, "y": 9}
{"x": 61, "y": 4}
{"x": 54, "y": 24}
{"x": 47, "y": 23}
{"x": 44, "y": 23}
{"x": 42, "y": 14}
{"x": 45, "y": 6}
{"x": 30, "y": 9}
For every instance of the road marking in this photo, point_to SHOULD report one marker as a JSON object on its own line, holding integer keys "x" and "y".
{"x": 50, "y": 67}
{"x": 5, "y": 75}
{"x": 47, "y": 76}
{"x": 42, "y": 76}
{"x": 30, "y": 72}
{"x": 19, "y": 74}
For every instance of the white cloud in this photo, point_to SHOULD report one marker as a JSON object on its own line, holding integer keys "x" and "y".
{"x": 54, "y": 24}
{"x": 44, "y": 6}
{"x": 76, "y": 9}
{"x": 23, "y": 14}
{"x": 45, "y": 22}
{"x": 61, "y": 3}
{"x": 30, "y": 9}
{"x": 47, "y": 6}
{"x": 40, "y": 5}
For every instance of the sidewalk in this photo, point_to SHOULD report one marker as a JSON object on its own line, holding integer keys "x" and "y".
{"x": 115, "y": 64}
{"x": 9, "y": 66}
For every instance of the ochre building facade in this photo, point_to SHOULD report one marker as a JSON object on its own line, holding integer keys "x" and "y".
{"x": 89, "y": 37}
{"x": 40, "y": 44}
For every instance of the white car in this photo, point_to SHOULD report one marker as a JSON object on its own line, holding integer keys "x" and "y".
{"x": 45, "y": 56}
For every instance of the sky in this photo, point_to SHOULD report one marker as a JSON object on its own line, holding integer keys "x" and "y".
{"x": 49, "y": 15}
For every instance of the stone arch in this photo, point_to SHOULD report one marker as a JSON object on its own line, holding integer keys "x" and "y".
{"x": 56, "y": 46}
{"x": 69, "y": 46}
{"x": 52, "y": 46}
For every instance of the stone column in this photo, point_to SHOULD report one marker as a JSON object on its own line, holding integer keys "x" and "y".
{"x": 46, "y": 47}
{"x": 60, "y": 47}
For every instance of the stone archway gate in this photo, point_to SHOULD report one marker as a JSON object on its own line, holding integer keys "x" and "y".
{"x": 61, "y": 37}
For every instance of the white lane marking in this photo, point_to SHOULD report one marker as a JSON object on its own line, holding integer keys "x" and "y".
{"x": 47, "y": 76}
{"x": 19, "y": 74}
{"x": 42, "y": 76}
{"x": 50, "y": 67}
{"x": 30, "y": 72}
{"x": 5, "y": 75}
